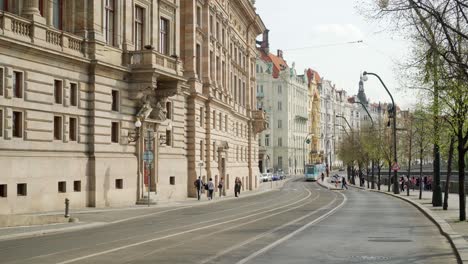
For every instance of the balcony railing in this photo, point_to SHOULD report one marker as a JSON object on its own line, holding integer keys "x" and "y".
{"x": 21, "y": 29}
{"x": 145, "y": 58}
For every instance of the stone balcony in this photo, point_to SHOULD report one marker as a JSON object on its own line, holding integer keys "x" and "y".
{"x": 259, "y": 121}
{"x": 151, "y": 59}
{"x": 19, "y": 29}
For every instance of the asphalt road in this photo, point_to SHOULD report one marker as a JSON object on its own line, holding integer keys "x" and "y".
{"x": 302, "y": 223}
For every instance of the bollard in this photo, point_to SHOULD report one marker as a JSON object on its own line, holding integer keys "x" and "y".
{"x": 67, "y": 206}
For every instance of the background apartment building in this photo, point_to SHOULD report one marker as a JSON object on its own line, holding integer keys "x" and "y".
{"x": 284, "y": 97}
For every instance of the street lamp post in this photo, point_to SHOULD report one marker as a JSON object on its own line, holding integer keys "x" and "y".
{"x": 396, "y": 189}
{"x": 365, "y": 108}
{"x": 134, "y": 136}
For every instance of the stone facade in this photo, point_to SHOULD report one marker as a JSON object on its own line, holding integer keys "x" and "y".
{"x": 75, "y": 78}
{"x": 219, "y": 53}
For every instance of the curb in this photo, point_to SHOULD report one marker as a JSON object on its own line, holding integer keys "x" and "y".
{"x": 458, "y": 243}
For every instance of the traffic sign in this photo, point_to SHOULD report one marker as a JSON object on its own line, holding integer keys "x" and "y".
{"x": 395, "y": 166}
{"x": 148, "y": 156}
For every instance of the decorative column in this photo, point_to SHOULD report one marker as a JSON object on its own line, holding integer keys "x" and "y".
{"x": 31, "y": 11}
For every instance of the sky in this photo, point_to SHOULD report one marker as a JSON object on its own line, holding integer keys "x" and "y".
{"x": 316, "y": 34}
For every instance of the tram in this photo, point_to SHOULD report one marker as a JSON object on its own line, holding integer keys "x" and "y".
{"x": 313, "y": 171}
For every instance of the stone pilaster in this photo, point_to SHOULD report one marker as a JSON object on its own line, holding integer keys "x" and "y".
{"x": 31, "y": 11}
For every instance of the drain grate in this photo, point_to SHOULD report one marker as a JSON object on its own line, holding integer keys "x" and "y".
{"x": 370, "y": 258}
{"x": 390, "y": 240}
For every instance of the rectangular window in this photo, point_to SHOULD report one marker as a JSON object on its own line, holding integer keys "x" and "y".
{"x": 62, "y": 187}
{"x": 202, "y": 116}
{"x": 280, "y": 142}
{"x": 172, "y": 180}
{"x": 168, "y": 137}
{"x": 226, "y": 123}
{"x": 201, "y": 150}
{"x": 17, "y": 124}
{"x": 1, "y": 122}
{"x": 280, "y": 89}
{"x": 220, "y": 121}
{"x": 169, "y": 110}
{"x": 164, "y": 36}
{"x": 109, "y": 23}
{"x": 267, "y": 140}
{"x": 115, "y": 132}
{"x": 214, "y": 119}
{"x": 280, "y": 124}
{"x": 73, "y": 94}
{"x": 119, "y": 183}
{"x": 77, "y": 186}
{"x": 2, "y": 82}
{"x": 139, "y": 27}
{"x": 18, "y": 84}
{"x": 280, "y": 106}
{"x": 115, "y": 100}
{"x": 198, "y": 61}
{"x": 58, "y": 91}
{"x": 199, "y": 16}
{"x": 211, "y": 25}
{"x": 72, "y": 129}
{"x": 41, "y": 7}
{"x": 21, "y": 189}
{"x": 57, "y": 127}
{"x": 3, "y": 190}
{"x": 217, "y": 31}
{"x": 4, "y": 5}
{"x": 57, "y": 10}
{"x": 280, "y": 162}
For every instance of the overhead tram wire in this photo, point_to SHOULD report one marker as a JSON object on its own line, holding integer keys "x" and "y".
{"x": 326, "y": 45}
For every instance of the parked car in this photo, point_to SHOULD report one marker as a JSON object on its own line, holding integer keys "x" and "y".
{"x": 266, "y": 177}
{"x": 275, "y": 177}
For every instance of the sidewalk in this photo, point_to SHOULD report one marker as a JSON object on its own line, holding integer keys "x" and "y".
{"x": 95, "y": 217}
{"x": 447, "y": 221}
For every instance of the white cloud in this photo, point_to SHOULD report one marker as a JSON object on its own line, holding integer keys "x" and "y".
{"x": 339, "y": 31}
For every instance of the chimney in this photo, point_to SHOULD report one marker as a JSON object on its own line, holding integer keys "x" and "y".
{"x": 265, "y": 43}
{"x": 280, "y": 53}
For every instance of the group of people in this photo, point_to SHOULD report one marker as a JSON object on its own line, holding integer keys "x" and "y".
{"x": 413, "y": 182}
{"x": 209, "y": 187}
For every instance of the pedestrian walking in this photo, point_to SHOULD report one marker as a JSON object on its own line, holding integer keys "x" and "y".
{"x": 344, "y": 184}
{"x": 220, "y": 186}
{"x": 237, "y": 187}
{"x": 211, "y": 188}
{"x": 323, "y": 176}
{"x": 199, "y": 186}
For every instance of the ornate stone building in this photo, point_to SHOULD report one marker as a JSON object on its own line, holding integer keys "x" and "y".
{"x": 219, "y": 54}
{"x": 95, "y": 104}
{"x": 313, "y": 148}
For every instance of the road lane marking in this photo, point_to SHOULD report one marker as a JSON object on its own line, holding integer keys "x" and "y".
{"x": 177, "y": 234}
{"x": 246, "y": 242}
{"x": 290, "y": 235}
{"x": 226, "y": 229}
{"x": 170, "y": 229}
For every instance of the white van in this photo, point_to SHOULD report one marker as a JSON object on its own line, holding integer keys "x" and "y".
{"x": 266, "y": 177}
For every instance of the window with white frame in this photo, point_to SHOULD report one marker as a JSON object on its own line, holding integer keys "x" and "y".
{"x": 164, "y": 36}
{"x": 139, "y": 27}
{"x": 109, "y": 22}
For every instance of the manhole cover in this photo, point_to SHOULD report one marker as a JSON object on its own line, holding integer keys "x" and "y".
{"x": 370, "y": 258}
